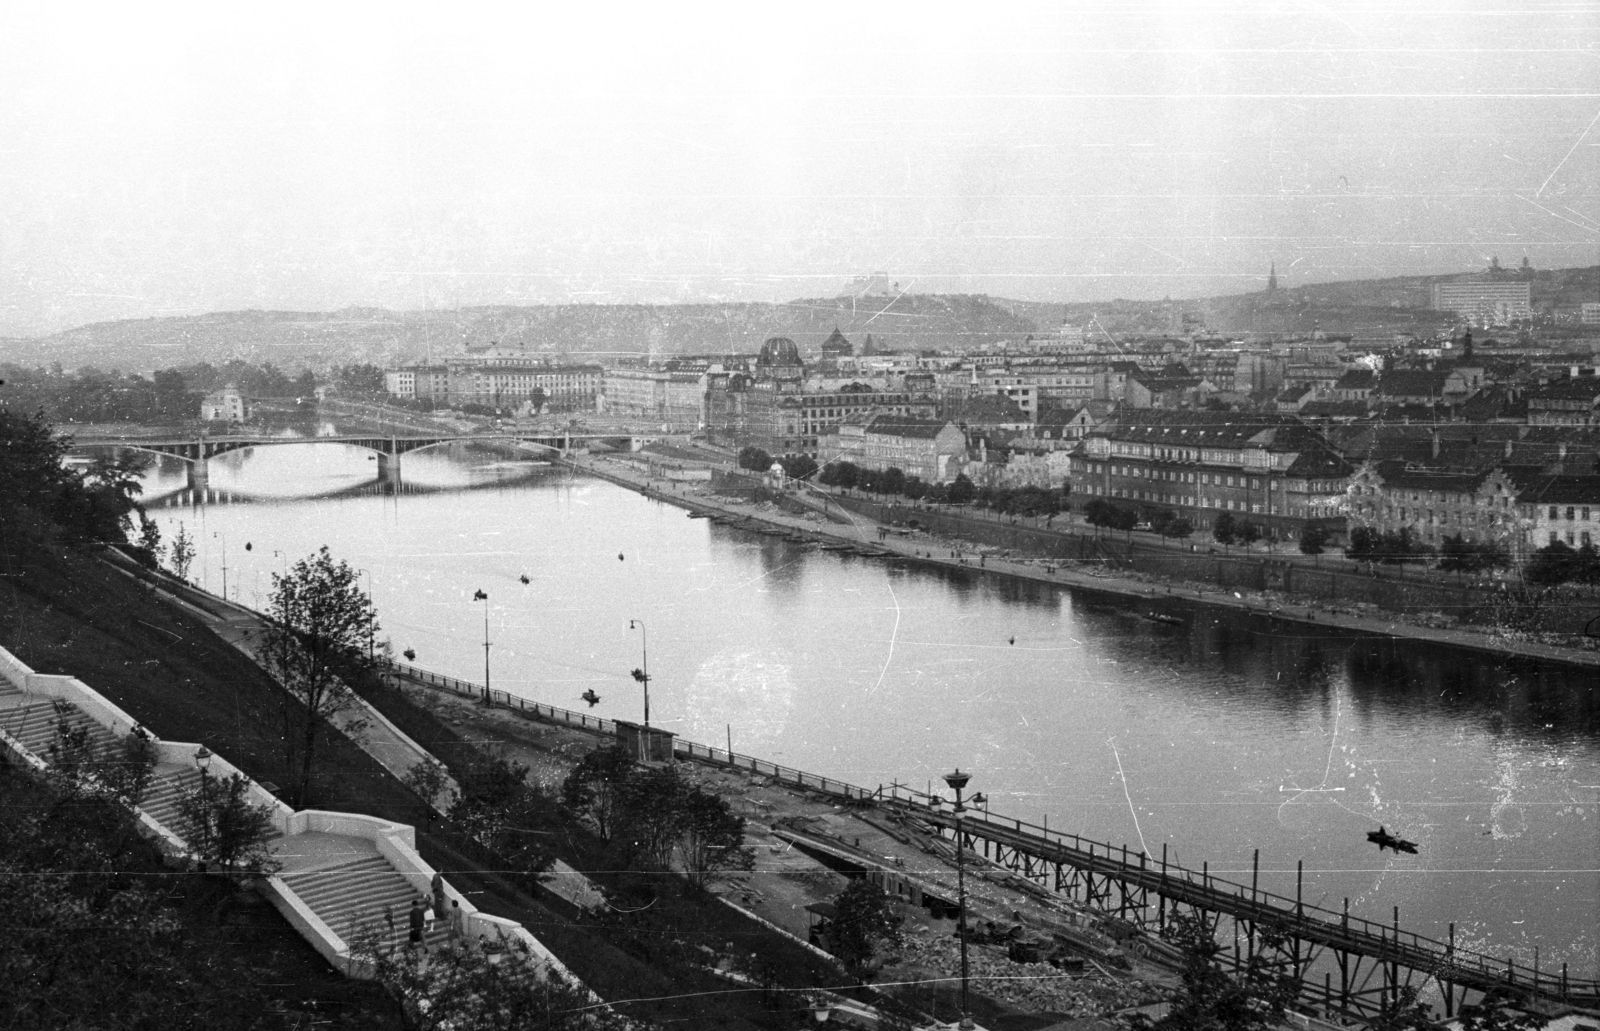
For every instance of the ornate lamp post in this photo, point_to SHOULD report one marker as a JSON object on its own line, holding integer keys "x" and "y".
{"x": 480, "y": 596}
{"x": 957, "y": 782}
{"x": 368, "y": 574}
{"x": 219, "y": 533}
{"x": 642, "y": 674}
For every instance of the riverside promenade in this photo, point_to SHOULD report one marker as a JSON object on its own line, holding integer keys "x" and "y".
{"x": 1164, "y": 600}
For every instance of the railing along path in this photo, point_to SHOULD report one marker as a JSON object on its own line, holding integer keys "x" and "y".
{"x": 1200, "y": 889}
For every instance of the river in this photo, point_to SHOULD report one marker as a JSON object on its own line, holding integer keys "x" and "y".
{"x": 1216, "y": 739}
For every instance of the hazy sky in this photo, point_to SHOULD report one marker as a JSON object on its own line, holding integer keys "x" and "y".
{"x": 161, "y": 160}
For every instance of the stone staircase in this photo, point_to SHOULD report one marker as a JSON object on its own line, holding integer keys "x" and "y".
{"x": 35, "y": 724}
{"x": 353, "y": 896}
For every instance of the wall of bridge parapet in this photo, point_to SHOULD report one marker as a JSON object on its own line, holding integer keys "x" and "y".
{"x": 202, "y": 448}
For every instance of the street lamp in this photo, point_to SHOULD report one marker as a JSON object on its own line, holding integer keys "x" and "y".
{"x": 370, "y": 610}
{"x": 480, "y": 596}
{"x": 642, "y": 675}
{"x": 219, "y": 533}
{"x": 957, "y": 782}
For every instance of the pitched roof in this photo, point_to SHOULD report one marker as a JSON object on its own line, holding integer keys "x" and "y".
{"x": 906, "y": 426}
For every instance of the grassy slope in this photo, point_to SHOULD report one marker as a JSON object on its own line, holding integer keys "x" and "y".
{"x": 62, "y": 611}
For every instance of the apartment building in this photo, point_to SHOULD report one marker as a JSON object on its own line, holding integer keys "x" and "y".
{"x": 932, "y": 450}
{"x": 1273, "y": 469}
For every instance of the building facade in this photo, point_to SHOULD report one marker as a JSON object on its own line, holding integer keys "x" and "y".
{"x": 1270, "y": 469}
{"x": 932, "y": 450}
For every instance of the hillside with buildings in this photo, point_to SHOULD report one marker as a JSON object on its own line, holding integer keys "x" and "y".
{"x": 895, "y": 321}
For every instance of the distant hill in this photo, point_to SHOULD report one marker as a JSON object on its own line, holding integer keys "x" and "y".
{"x": 578, "y": 330}
{"x": 1365, "y": 307}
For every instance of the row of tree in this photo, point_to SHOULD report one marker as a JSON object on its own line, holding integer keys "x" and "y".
{"x": 38, "y": 493}
{"x": 759, "y": 460}
{"x": 169, "y": 395}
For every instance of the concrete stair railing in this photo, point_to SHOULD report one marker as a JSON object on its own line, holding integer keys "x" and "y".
{"x": 330, "y": 906}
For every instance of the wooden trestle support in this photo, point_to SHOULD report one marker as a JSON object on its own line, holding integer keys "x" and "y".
{"x": 1348, "y": 968}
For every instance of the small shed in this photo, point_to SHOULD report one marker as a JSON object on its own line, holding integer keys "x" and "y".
{"x": 646, "y": 744}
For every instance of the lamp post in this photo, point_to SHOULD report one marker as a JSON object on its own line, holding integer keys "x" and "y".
{"x": 957, "y": 782}
{"x": 642, "y": 674}
{"x": 219, "y": 533}
{"x": 368, "y": 574}
{"x": 480, "y": 596}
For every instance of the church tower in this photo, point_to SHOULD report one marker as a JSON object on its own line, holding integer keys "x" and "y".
{"x": 1272, "y": 278}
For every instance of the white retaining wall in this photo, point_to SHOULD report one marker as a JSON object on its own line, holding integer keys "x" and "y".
{"x": 396, "y": 842}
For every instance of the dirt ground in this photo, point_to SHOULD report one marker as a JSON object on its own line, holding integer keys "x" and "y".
{"x": 787, "y": 877}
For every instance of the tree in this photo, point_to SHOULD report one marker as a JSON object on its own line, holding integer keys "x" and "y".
{"x": 1247, "y": 532}
{"x": 711, "y": 837}
{"x": 1254, "y": 998}
{"x": 962, "y": 490}
{"x": 798, "y": 467}
{"x": 650, "y": 805}
{"x": 319, "y": 625}
{"x": 537, "y": 398}
{"x": 1178, "y": 528}
{"x": 1224, "y": 530}
{"x": 223, "y": 828}
{"x": 1363, "y": 543}
{"x": 427, "y": 779}
{"x": 148, "y": 549}
{"x": 98, "y": 932}
{"x": 893, "y": 482}
{"x": 1313, "y": 539}
{"x": 1555, "y": 563}
{"x": 465, "y": 985}
{"x": 591, "y": 789}
{"x": 864, "y": 921}
{"x": 495, "y": 806}
{"x": 755, "y": 459}
{"x": 181, "y": 555}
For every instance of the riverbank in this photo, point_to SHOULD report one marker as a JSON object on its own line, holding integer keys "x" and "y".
{"x": 1163, "y": 600}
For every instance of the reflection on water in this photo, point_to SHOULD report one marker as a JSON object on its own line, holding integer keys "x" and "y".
{"x": 1217, "y": 738}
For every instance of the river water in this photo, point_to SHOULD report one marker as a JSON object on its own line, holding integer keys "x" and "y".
{"x": 1216, "y": 739}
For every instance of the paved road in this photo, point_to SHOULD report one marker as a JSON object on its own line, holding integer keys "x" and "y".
{"x": 938, "y": 551}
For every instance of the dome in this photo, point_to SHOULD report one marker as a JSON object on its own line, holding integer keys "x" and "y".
{"x": 779, "y": 351}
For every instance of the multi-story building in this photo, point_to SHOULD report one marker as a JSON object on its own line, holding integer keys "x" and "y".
{"x": 932, "y": 450}
{"x": 1520, "y": 507}
{"x": 225, "y": 405}
{"x": 673, "y": 398}
{"x": 418, "y": 381}
{"x": 1480, "y": 507}
{"x": 1484, "y": 300}
{"x": 1560, "y": 508}
{"x": 1272, "y": 469}
{"x": 1572, "y": 401}
{"x": 564, "y": 387}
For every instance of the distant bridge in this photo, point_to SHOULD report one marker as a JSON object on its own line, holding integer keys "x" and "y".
{"x": 198, "y": 451}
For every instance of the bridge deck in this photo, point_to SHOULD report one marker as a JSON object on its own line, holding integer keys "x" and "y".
{"x": 1307, "y": 923}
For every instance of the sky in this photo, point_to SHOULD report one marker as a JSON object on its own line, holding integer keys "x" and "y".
{"x": 166, "y": 160}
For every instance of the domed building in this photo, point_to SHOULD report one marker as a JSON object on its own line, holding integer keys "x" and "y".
{"x": 779, "y": 359}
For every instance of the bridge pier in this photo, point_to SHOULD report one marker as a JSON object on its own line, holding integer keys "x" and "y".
{"x": 198, "y": 475}
{"x": 389, "y": 469}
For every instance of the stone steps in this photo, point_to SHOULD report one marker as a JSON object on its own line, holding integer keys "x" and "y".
{"x": 35, "y": 726}
{"x": 355, "y": 897}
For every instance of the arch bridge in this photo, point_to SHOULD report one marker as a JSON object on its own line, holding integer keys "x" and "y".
{"x": 198, "y": 451}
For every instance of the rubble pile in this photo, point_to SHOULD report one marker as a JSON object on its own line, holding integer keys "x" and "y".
{"x": 1033, "y": 987}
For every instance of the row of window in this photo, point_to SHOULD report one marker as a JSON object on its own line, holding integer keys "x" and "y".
{"x": 1570, "y": 511}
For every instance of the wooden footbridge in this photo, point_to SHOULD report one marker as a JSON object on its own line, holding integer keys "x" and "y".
{"x": 1364, "y": 965}
{"x": 1348, "y": 967}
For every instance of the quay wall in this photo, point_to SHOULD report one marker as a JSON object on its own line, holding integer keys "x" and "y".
{"x": 1567, "y": 612}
